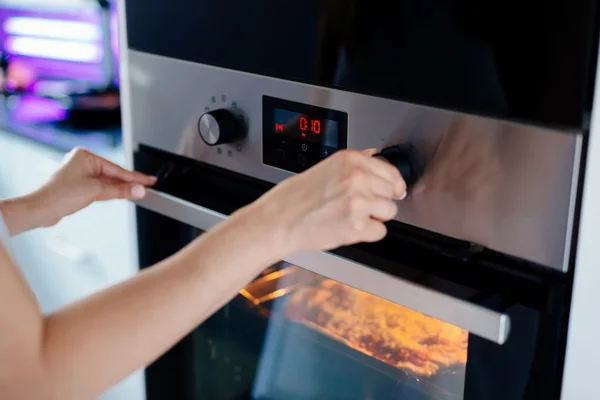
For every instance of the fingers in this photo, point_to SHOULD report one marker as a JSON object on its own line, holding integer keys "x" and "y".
{"x": 113, "y": 171}
{"x": 374, "y": 232}
{"x": 376, "y": 186}
{"x": 390, "y": 173}
{"x": 92, "y": 164}
{"x": 385, "y": 171}
{"x": 371, "y": 201}
{"x": 366, "y": 220}
{"x": 121, "y": 190}
{"x": 382, "y": 209}
{"x": 374, "y": 193}
{"x": 104, "y": 169}
{"x": 365, "y": 217}
{"x": 355, "y": 161}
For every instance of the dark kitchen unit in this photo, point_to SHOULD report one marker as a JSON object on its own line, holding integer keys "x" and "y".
{"x": 480, "y": 289}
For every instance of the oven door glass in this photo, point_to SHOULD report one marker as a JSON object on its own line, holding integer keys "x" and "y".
{"x": 293, "y": 334}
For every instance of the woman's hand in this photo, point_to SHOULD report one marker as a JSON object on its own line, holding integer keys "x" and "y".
{"x": 82, "y": 179}
{"x": 343, "y": 200}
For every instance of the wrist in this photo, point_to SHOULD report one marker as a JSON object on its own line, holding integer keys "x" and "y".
{"x": 17, "y": 214}
{"x": 25, "y": 213}
{"x": 262, "y": 226}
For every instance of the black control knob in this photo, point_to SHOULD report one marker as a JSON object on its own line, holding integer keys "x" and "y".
{"x": 407, "y": 159}
{"x": 220, "y": 127}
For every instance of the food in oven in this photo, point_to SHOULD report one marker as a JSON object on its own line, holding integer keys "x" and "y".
{"x": 381, "y": 329}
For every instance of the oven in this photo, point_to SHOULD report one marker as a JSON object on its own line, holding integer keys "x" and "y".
{"x": 469, "y": 295}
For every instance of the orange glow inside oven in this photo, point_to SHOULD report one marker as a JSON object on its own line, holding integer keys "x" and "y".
{"x": 390, "y": 333}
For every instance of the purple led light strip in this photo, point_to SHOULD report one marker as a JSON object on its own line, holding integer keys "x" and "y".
{"x": 58, "y": 53}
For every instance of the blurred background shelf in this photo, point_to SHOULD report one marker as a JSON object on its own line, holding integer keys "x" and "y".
{"x": 42, "y": 121}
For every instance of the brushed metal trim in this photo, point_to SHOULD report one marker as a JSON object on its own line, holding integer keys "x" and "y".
{"x": 138, "y": 379}
{"x": 180, "y": 210}
{"x": 477, "y": 320}
{"x": 517, "y": 197}
{"x": 127, "y": 124}
{"x": 572, "y": 205}
{"x": 125, "y": 86}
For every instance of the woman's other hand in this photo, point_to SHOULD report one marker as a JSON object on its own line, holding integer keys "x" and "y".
{"x": 82, "y": 179}
{"x": 341, "y": 201}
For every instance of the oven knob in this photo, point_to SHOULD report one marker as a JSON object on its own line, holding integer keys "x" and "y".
{"x": 220, "y": 127}
{"x": 407, "y": 159}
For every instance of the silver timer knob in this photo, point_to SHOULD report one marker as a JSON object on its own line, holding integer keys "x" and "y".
{"x": 219, "y": 127}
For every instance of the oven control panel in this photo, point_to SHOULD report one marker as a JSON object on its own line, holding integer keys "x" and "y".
{"x": 297, "y": 136}
{"x": 289, "y": 126}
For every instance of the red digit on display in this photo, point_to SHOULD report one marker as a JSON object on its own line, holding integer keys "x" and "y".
{"x": 303, "y": 123}
{"x": 316, "y": 127}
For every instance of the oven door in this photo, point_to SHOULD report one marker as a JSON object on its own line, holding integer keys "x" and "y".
{"x": 411, "y": 317}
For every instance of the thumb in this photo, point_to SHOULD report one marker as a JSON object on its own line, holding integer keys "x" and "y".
{"x": 129, "y": 191}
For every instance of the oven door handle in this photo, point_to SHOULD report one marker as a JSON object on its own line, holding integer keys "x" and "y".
{"x": 478, "y": 320}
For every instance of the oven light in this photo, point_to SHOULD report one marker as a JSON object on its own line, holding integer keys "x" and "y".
{"x": 54, "y": 49}
{"x": 52, "y": 28}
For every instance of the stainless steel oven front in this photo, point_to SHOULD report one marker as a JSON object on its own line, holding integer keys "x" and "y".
{"x": 468, "y": 296}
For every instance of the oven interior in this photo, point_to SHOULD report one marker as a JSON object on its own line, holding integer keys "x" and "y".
{"x": 294, "y": 334}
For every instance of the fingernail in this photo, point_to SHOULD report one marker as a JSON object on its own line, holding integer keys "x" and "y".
{"x": 138, "y": 191}
{"x": 403, "y": 196}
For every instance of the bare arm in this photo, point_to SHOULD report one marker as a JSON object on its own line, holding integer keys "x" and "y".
{"x": 80, "y": 351}
{"x": 22, "y": 214}
{"x": 120, "y": 325}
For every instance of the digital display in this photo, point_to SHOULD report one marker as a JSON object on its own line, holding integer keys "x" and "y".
{"x": 297, "y": 136}
{"x": 304, "y": 127}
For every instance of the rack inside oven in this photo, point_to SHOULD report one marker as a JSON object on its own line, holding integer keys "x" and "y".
{"x": 260, "y": 308}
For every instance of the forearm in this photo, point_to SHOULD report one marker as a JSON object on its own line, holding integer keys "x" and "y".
{"x": 101, "y": 340}
{"x": 24, "y": 213}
